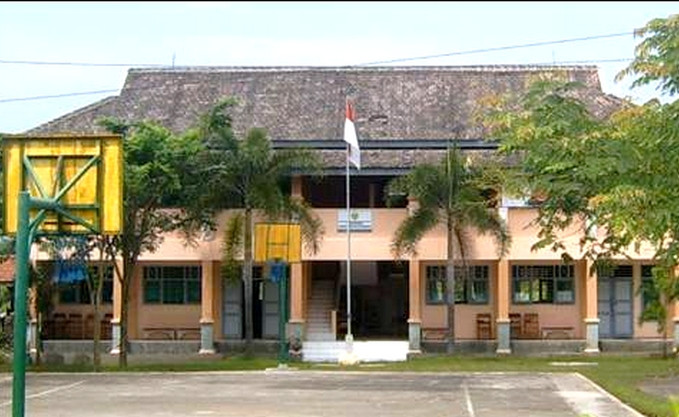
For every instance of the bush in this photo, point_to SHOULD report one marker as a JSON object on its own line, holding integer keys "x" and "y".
{"x": 6, "y": 334}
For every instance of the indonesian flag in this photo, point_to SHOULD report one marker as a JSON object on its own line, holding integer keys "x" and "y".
{"x": 350, "y": 136}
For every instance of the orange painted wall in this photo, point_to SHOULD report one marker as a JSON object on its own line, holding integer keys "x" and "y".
{"x": 434, "y": 315}
{"x": 161, "y": 315}
{"x": 375, "y": 245}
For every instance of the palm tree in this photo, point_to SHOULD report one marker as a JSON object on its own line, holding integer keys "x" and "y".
{"x": 454, "y": 193}
{"x": 250, "y": 176}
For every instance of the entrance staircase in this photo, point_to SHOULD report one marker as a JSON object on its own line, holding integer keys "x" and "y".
{"x": 319, "y": 327}
{"x": 321, "y": 344}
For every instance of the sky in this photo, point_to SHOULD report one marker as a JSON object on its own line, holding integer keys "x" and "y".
{"x": 52, "y": 53}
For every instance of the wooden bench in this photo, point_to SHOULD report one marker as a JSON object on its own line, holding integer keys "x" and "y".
{"x": 557, "y": 332}
{"x": 158, "y": 333}
{"x": 187, "y": 333}
{"x": 171, "y": 333}
{"x": 434, "y": 333}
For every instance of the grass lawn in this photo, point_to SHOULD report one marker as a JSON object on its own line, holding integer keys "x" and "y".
{"x": 620, "y": 375}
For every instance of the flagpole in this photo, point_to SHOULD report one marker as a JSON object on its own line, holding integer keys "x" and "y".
{"x": 353, "y": 156}
{"x": 349, "y": 336}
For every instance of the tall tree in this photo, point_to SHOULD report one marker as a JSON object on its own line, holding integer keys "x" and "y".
{"x": 615, "y": 175}
{"x": 156, "y": 164}
{"x": 247, "y": 175}
{"x": 453, "y": 193}
{"x": 559, "y": 152}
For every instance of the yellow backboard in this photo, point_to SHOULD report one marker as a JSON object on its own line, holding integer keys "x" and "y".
{"x": 282, "y": 241}
{"x": 47, "y": 166}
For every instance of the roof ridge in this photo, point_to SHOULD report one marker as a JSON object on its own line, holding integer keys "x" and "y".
{"x": 75, "y": 112}
{"x": 355, "y": 68}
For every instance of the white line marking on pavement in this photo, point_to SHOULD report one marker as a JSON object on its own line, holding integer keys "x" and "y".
{"x": 49, "y": 391}
{"x": 468, "y": 398}
{"x": 609, "y": 395}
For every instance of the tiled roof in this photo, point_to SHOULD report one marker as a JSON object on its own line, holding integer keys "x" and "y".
{"x": 307, "y": 103}
{"x": 7, "y": 270}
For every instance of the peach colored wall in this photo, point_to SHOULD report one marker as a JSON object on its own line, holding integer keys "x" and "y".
{"x": 554, "y": 314}
{"x": 434, "y": 315}
{"x": 647, "y": 329}
{"x": 161, "y": 315}
{"x": 375, "y": 245}
{"x": 372, "y": 245}
{"x": 524, "y": 235}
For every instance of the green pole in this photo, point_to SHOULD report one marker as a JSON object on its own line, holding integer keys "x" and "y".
{"x": 282, "y": 317}
{"x": 20, "y": 295}
{"x": 286, "y": 352}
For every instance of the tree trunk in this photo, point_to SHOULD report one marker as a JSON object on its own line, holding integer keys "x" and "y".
{"x": 96, "y": 326}
{"x": 450, "y": 290}
{"x": 247, "y": 280}
{"x": 38, "y": 339}
{"x": 668, "y": 305}
{"x": 126, "y": 284}
{"x": 95, "y": 299}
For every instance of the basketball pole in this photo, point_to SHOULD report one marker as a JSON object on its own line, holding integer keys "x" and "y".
{"x": 283, "y": 353}
{"x": 21, "y": 250}
{"x": 104, "y": 151}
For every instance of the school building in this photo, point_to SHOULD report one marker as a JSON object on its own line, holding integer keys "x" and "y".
{"x": 405, "y": 115}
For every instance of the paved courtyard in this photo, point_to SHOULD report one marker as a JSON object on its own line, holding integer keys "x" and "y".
{"x": 309, "y": 393}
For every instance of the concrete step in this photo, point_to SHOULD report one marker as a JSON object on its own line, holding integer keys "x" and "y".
{"x": 322, "y": 301}
{"x": 320, "y": 336}
{"x": 311, "y": 333}
{"x": 316, "y": 324}
{"x": 319, "y": 314}
{"x": 365, "y": 351}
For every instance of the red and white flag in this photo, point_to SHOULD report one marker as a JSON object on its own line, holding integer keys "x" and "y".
{"x": 350, "y": 136}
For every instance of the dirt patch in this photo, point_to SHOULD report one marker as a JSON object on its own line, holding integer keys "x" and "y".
{"x": 662, "y": 387}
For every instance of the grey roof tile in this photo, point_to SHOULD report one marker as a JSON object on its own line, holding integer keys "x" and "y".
{"x": 307, "y": 103}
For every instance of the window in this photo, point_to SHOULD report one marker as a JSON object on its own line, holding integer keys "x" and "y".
{"x": 650, "y": 297}
{"x": 366, "y": 192}
{"x": 543, "y": 284}
{"x": 471, "y": 284}
{"x": 172, "y": 284}
{"x": 79, "y": 292}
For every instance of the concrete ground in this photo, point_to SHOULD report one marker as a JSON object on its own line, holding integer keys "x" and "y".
{"x": 312, "y": 393}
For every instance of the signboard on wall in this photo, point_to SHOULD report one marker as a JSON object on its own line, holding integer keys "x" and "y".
{"x": 361, "y": 220}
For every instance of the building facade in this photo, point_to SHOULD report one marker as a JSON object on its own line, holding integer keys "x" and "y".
{"x": 405, "y": 116}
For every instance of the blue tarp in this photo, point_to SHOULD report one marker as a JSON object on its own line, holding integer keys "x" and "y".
{"x": 69, "y": 272}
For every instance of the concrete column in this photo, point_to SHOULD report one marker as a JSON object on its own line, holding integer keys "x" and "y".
{"x": 675, "y": 321}
{"x": 502, "y": 308}
{"x": 207, "y": 316}
{"x": 117, "y": 308}
{"x": 591, "y": 308}
{"x": 299, "y": 276}
{"x": 415, "y": 306}
{"x": 295, "y": 331}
